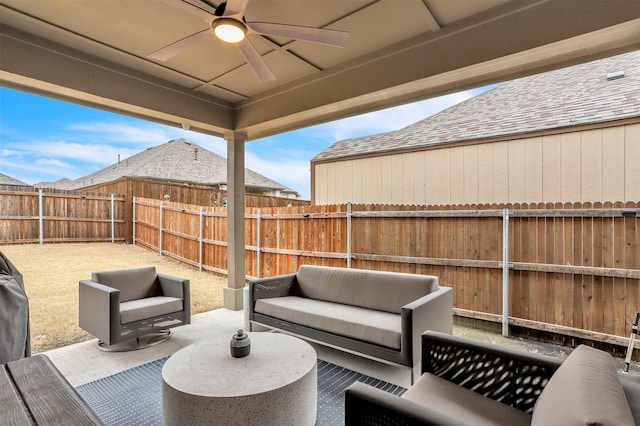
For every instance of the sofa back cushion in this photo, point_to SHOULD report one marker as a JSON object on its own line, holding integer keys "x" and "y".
{"x": 133, "y": 283}
{"x": 382, "y": 291}
{"x": 585, "y": 390}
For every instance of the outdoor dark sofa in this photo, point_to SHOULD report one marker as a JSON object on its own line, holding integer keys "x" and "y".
{"x": 467, "y": 382}
{"x": 371, "y": 313}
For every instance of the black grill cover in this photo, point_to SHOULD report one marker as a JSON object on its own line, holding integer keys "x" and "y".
{"x": 15, "y": 336}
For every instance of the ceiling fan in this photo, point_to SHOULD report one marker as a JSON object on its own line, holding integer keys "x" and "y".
{"x": 227, "y": 23}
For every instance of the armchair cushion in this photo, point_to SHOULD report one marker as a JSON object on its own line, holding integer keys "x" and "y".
{"x": 585, "y": 390}
{"x": 149, "y": 307}
{"x": 445, "y": 397}
{"x": 133, "y": 283}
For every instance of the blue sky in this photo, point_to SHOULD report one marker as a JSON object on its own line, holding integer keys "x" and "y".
{"x": 42, "y": 139}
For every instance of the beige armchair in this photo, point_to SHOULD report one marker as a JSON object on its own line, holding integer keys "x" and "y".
{"x": 123, "y": 305}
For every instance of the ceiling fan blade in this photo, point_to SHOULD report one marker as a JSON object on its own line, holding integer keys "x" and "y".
{"x": 235, "y": 7}
{"x": 317, "y": 35}
{"x": 173, "y": 49}
{"x": 188, "y": 7}
{"x": 256, "y": 61}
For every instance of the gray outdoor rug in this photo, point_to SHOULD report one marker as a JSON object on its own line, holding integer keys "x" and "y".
{"x": 134, "y": 396}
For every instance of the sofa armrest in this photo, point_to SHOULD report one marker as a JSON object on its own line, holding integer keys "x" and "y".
{"x": 366, "y": 405}
{"x": 177, "y": 287}
{"x": 267, "y": 288}
{"x": 431, "y": 312}
{"x": 511, "y": 376}
{"x": 99, "y": 309}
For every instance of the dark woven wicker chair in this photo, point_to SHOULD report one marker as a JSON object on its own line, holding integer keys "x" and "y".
{"x": 487, "y": 383}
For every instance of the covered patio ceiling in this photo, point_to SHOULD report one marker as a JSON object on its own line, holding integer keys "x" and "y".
{"x": 96, "y": 53}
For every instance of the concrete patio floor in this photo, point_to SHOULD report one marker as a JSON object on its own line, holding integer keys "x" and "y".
{"x": 83, "y": 362}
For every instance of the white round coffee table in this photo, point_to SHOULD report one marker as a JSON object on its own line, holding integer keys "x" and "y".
{"x": 275, "y": 385}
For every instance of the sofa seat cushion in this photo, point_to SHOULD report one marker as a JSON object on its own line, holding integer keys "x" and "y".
{"x": 466, "y": 406}
{"x": 584, "y": 390}
{"x": 380, "y": 328}
{"x": 149, "y": 307}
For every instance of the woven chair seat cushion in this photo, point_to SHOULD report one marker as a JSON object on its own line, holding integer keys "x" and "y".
{"x": 381, "y": 328}
{"x": 464, "y": 405}
{"x": 149, "y": 307}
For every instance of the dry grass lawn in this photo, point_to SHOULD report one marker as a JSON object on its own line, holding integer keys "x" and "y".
{"x": 52, "y": 271}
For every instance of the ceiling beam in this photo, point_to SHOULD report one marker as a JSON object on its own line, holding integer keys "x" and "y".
{"x": 35, "y": 65}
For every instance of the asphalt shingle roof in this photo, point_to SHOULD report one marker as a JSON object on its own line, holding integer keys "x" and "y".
{"x": 176, "y": 160}
{"x": 568, "y": 97}
{"x": 8, "y": 180}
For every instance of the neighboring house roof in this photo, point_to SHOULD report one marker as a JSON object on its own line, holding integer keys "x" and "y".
{"x": 63, "y": 183}
{"x": 180, "y": 161}
{"x": 568, "y": 97}
{"x": 8, "y": 180}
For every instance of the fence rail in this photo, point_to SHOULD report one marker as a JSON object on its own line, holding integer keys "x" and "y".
{"x": 30, "y": 215}
{"x": 568, "y": 267}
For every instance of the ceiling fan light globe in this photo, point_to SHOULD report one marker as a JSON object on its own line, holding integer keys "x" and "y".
{"x": 229, "y": 30}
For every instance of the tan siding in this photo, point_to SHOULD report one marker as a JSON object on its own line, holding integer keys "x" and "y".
{"x": 470, "y": 174}
{"x": 613, "y": 163}
{"x": 457, "y": 175}
{"x": 601, "y": 165}
{"x": 516, "y": 171}
{"x": 571, "y": 166}
{"x": 444, "y": 176}
{"x": 591, "y": 165}
{"x": 501, "y": 172}
{"x": 374, "y": 166}
{"x": 485, "y": 171}
{"x": 552, "y": 168}
{"x": 386, "y": 172}
{"x": 420, "y": 178}
{"x": 396, "y": 179}
{"x": 408, "y": 178}
{"x": 632, "y": 162}
{"x": 533, "y": 170}
{"x": 321, "y": 181}
{"x": 431, "y": 165}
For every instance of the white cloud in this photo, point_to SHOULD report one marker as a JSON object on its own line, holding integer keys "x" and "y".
{"x": 294, "y": 174}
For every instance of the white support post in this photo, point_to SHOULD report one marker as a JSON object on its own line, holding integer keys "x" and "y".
{"x": 505, "y": 272}
{"x": 40, "y": 218}
{"x": 349, "y": 254}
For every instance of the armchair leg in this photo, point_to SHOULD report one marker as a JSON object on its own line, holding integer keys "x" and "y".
{"x": 135, "y": 343}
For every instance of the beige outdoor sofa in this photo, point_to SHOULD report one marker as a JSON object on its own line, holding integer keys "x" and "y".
{"x": 121, "y": 305}
{"x": 371, "y": 313}
{"x": 467, "y": 382}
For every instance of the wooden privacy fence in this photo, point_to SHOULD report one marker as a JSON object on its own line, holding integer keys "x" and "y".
{"x": 30, "y": 215}
{"x": 572, "y": 269}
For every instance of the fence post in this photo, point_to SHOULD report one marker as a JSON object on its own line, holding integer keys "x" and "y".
{"x": 505, "y": 272}
{"x": 200, "y": 242}
{"x": 40, "y": 224}
{"x": 258, "y": 244}
{"x": 113, "y": 220}
{"x": 349, "y": 234}
{"x": 160, "y": 230}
